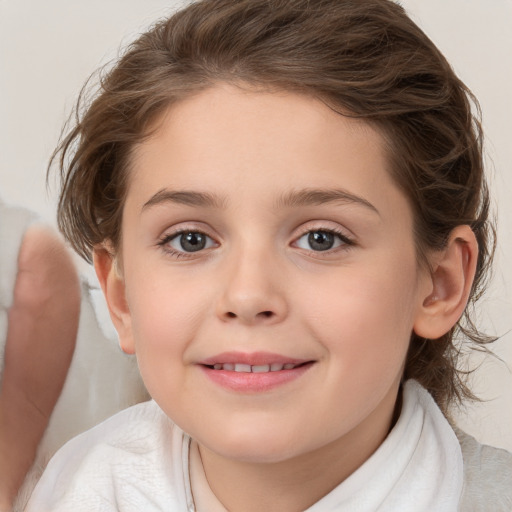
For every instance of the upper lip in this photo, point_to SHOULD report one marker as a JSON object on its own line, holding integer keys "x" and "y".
{"x": 253, "y": 359}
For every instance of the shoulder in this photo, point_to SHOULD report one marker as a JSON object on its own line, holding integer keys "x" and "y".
{"x": 487, "y": 476}
{"x": 44, "y": 272}
{"x": 14, "y": 222}
{"x": 133, "y": 458}
{"x": 44, "y": 251}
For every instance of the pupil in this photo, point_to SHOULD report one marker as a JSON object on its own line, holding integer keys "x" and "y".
{"x": 192, "y": 242}
{"x": 321, "y": 240}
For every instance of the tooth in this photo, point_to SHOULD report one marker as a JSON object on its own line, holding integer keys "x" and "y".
{"x": 261, "y": 368}
{"x": 245, "y": 368}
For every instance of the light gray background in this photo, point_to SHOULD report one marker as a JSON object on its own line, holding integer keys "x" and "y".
{"x": 48, "y": 48}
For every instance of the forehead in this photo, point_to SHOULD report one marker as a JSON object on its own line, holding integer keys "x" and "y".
{"x": 230, "y": 141}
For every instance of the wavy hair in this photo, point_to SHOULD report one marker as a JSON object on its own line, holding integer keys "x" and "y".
{"x": 362, "y": 58}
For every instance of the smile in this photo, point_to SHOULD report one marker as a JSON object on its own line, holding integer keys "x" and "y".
{"x": 260, "y": 368}
{"x": 255, "y": 372}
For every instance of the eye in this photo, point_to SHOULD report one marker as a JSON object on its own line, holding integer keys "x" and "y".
{"x": 188, "y": 241}
{"x": 321, "y": 240}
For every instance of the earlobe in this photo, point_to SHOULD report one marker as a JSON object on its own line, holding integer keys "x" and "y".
{"x": 453, "y": 271}
{"x": 113, "y": 286}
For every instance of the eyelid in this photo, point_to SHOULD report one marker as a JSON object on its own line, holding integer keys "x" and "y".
{"x": 324, "y": 225}
{"x": 188, "y": 226}
{"x": 346, "y": 237}
{"x": 176, "y": 231}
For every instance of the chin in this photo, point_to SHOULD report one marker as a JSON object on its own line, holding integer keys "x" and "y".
{"x": 259, "y": 446}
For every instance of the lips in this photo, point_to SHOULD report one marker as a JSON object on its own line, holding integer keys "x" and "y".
{"x": 255, "y": 372}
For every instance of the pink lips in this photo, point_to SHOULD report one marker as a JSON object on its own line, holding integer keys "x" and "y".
{"x": 254, "y": 372}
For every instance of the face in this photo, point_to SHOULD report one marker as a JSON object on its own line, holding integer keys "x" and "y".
{"x": 269, "y": 281}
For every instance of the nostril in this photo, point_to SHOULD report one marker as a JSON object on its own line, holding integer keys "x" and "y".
{"x": 261, "y": 315}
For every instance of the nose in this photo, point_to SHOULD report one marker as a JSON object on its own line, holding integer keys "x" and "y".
{"x": 252, "y": 291}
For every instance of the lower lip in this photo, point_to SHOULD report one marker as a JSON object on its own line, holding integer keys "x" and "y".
{"x": 245, "y": 382}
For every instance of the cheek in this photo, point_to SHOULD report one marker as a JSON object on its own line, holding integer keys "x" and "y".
{"x": 165, "y": 307}
{"x": 163, "y": 326}
{"x": 365, "y": 318}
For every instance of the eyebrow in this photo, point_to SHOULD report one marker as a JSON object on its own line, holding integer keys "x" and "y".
{"x": 315, "y": 197}
{"x": 185, "y": 197}
{"x": 293, "y": 199}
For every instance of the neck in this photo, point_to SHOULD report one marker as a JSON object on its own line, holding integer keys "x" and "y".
{"x": 297, "y": 483}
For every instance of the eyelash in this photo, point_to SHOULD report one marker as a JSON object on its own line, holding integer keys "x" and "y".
{"x": 167, "y": 238}
{"x": 346, "y": 242}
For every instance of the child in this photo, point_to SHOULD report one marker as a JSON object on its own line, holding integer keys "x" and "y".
{"x": 286, "y": 208}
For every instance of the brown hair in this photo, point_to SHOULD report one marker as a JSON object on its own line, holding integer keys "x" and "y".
{"x": 365, "y": 59}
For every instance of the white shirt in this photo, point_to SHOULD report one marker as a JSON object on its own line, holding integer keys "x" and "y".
{"x": 138, "y": 460}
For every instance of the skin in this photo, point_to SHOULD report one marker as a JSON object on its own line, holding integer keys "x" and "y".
{"x": 43, "y": 322}
{"x": 258, "y": 285}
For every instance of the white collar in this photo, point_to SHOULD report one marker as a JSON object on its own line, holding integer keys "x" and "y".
{"x": 417, "y": 467}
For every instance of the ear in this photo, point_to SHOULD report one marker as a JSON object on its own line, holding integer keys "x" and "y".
{"x": 113, "y": 286}
{"x": 453, "y": 271}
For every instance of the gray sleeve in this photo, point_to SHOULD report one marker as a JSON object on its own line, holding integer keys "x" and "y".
{"x": 487, "y": 477}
